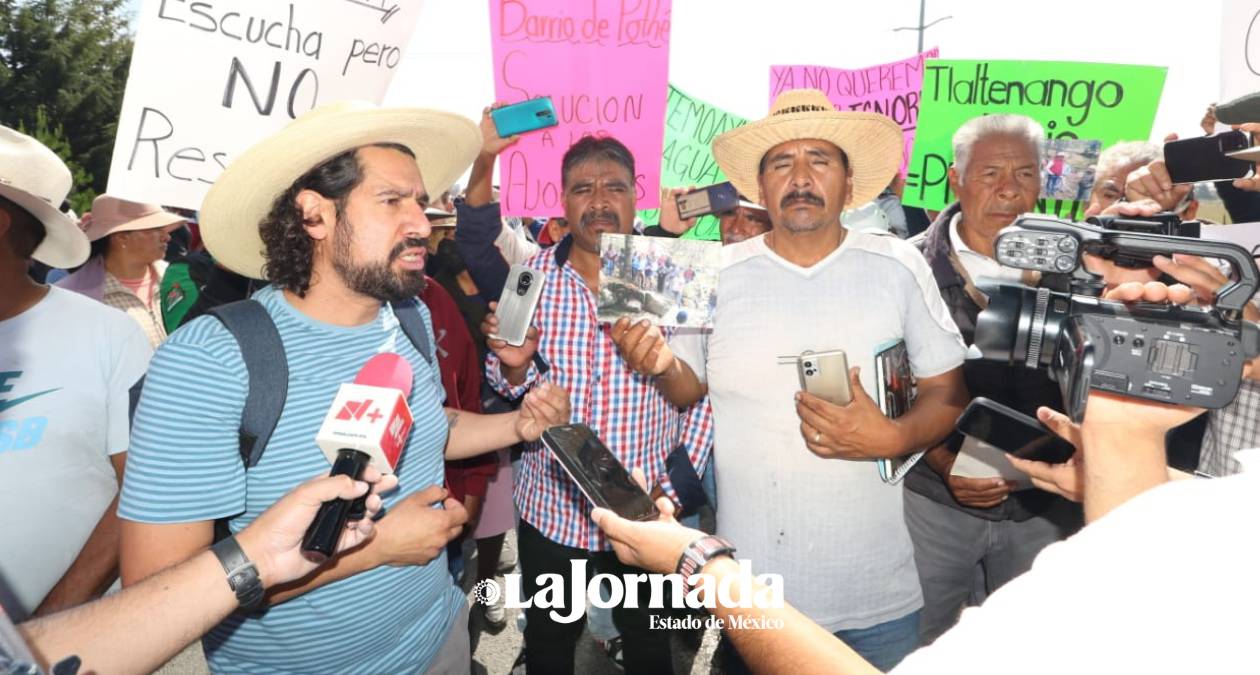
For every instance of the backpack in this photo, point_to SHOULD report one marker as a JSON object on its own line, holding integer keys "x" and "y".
{"x": 268, "y": 371}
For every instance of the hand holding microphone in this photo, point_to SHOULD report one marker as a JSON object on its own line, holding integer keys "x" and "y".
{"x": 367, "y": 425}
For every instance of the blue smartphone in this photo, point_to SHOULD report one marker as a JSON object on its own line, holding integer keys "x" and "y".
{"x": 518, "y": 118}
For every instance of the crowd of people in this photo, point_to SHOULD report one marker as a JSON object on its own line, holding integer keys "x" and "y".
{"x": 163, "y": 394}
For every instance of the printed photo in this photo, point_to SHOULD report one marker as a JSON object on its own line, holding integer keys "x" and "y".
{"x": 670, "y": 282}
{"x": 1068, "y": 168}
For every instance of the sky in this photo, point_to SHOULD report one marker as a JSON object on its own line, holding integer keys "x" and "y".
{"x": 721, "y": 50}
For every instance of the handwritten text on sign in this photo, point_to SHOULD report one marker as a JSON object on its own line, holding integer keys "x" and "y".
{"x": 605, "y": 65}
{"x": 209, "y": 79}
{"x": 687, "y": 156}
{"x": 1099, "y": 101}
{"x": 890, "y": 89}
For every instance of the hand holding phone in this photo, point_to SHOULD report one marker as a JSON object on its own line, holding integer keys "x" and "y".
{"x": 1208, "y": 158}
{"x": 597, "y": 472}
{"x": 825, "y": 375}
{"x": 1012, "y": 432}
{"x": 517, "y": 302}
{"x": 706, "y": 200}
{"x": 519, "y": 118}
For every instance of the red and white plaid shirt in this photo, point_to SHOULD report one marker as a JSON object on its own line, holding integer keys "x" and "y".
{"x": 625, "y": 409}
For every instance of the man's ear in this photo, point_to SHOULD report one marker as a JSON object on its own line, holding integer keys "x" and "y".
{"x": 318, "y": 213}
{"x": 848, "y": 190}
{"x": 955, "y": 179}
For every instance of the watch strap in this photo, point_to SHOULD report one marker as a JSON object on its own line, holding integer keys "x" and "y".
{"x": 242, "y": 575}
{"x": 699, "y": 553}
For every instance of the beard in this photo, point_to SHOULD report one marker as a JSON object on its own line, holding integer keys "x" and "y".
{"x": 375, "y": 279}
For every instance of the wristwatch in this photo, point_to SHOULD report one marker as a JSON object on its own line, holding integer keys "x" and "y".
{"x": 698, "y": 554}
{"x": 242, "y": 575}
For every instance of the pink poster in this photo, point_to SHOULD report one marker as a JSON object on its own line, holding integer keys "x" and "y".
{"x": 890, "y": 89}
{"x": 605, "y": 65}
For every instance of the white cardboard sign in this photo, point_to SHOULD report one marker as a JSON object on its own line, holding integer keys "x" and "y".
{"x": 210, "y": 78}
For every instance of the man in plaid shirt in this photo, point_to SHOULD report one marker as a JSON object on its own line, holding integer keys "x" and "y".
{"x": 628, "y": 411}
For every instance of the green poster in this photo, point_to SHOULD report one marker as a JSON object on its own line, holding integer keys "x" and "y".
{"x": 1098, "y": 101}
{"x": 687, "y": 156}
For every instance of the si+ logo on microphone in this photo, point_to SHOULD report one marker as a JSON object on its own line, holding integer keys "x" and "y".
{"x": 357, "y": 410}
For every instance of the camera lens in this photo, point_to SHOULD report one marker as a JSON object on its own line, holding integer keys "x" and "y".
{"x": 809, "y": 364}
{"x": 1065, "y": 263}
{"x": 810, "y": 372}
{"x": 1020, "y": 325}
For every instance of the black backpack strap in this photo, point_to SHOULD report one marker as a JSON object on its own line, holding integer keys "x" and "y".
{"x": 263, "y": 353}
{"x": 408, "y": 313}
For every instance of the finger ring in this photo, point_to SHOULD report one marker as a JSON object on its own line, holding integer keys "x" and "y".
{"x": 818, "y": 437}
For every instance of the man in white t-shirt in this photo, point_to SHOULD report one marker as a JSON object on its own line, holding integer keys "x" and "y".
{"x": 832, "y": 528}
{"x": 65, "y": 370}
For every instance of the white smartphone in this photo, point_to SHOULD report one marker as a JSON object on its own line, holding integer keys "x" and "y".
{"x": 825, "y": 375}
{"x": 517, "y": 303}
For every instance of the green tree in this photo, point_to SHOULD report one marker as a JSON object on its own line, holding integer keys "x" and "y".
{"x": 63, "y": 70}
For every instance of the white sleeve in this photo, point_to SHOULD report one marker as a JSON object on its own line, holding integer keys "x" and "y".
{"x": 692, "y": 346}
{"x": 129, "y": 359}
{"x": 932, "y": 339}
{"x": 515, "y": 247}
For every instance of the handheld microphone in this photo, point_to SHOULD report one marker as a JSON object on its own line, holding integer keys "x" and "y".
{"x": 367, "y": 425}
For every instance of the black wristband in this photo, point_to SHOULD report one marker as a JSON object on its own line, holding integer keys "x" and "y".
{"x": 242, "y": 575}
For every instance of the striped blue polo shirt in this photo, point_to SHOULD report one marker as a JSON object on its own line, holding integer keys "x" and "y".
{"x": 184, "y": 465}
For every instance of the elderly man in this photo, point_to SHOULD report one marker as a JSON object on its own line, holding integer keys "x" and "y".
{"x": 331, "y": 211}
{"x": 969, "y": 529}
{"x": 832, "y": 528}
{"x": 1114, "y": 166}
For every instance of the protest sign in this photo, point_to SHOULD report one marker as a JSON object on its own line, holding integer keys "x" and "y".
{"x": 605, "y": 64}
{"x": 1096, "y": 101}
{"x": 209, "y": 79}
{"x": 687, "y": 154}
{"x": 890, "y": 89}
{"x": 1240, "y": 48}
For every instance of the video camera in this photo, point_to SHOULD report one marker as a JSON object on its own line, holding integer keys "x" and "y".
{"x": 1184, "y": 355}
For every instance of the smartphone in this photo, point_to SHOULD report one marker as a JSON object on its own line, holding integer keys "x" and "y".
{"x": 1012, "y": 432}
{"x": 710, "y": 199}
{"x": 518, "y": 118}
{"x": 517, "y": 303}
{"x": 598, "y": 472}
{"x": 825, "y": 375}
{"x": 1205, "y": 158}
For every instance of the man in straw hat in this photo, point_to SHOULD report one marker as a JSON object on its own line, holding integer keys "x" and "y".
{"x": 66, "y": 363}
{"x": 832, "y": 528}
{"x": 330, "y": 210}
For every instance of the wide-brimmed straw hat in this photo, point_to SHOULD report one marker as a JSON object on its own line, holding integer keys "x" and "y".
{"x": 110, "y": 214}
{"x": 872, "y": 142}
{"x": 444, "y": 143}
{"x": 34, "y": 178}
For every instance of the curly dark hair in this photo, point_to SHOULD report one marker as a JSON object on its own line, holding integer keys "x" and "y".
{"x": 288, "y": 249}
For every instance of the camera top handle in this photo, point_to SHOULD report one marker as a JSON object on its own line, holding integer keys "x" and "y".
{"x": 1052, "y": 245}
{"x": 1230, "y": 298}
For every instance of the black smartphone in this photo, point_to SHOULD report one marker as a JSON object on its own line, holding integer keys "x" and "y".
{"x": 518, "y": 118}
{"x": 709, "y": 199}
{"x": 1012, "y": 432}
{"x": 598, "y": 472}
{"x": 1202, "y": 159}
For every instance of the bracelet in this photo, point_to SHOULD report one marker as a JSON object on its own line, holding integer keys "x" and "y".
{"x": 698, "y": 553}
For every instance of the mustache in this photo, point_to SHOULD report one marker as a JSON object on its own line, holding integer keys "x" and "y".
{"x": 802, "y": 195}
{"x": 410, "y": 242}
{"x": 610, "y": 216}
